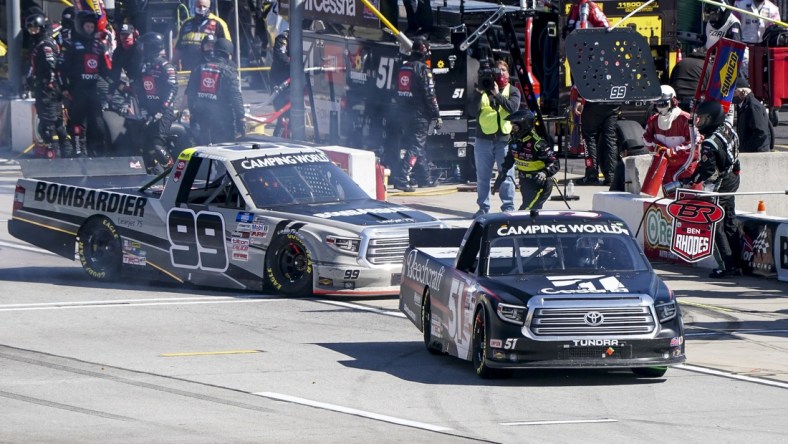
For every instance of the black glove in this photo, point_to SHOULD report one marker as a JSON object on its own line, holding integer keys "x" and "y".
{"x": 498, "y": 182}
{"x": 540, "y": 177}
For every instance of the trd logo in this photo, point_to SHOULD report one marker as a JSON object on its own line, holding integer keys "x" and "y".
{"x": 696, "y": 211}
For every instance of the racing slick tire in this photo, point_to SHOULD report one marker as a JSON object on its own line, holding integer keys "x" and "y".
{"x": 650, "y": 372}
{"x": 99, "y": 248}
{"x": 479, "y": 351}
{"x": 288, "y": 266}
{"x": 426, "y": 324}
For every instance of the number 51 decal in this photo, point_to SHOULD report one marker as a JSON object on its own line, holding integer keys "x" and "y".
{"x": 197, "y": 240}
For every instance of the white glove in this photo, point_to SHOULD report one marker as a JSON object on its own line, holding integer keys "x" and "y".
{"x": 540, "y": 177}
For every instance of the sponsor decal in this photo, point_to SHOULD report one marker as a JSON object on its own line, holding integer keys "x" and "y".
{"x": 133, "y": 254}
{"x": 693, "y": 227}
{"x": 507, "y": 230}
{"x": 244, "y": 227}
{"x": 422, "y": 273}
{"x": 760, "y": 240}
{"x": 243, "y": 234}
{"x": 677, "y": 341}
{"x": 289, "y": 159}
{"x": 244, "y": 216}
{"x": 658, "y": 232}
{"x": 594, "y": 342}
{"x": 240, "y": 256}
{"x": 361, "y": 212}
{"x": 496, "y": 343}
{"x": 728, "y": 74}
{"x": 103, "y": 201}
{"x": 129, "y": 223}
{"x": 584, "y": 284}
{"x": 135, "y": 165}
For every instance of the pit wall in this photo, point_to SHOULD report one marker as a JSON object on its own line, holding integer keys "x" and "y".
{"x": 764, "y": 237}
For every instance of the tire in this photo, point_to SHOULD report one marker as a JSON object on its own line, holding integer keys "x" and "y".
{"x": 650, "y": 372}
{"x": 426, "y": 324}
{"x": 100, "y": 250}
{"x": 288, "y": 266}
{"x": 479, "y": 343}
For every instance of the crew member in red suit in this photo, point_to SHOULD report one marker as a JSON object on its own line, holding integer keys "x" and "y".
{"x": 585, "y": 14}
{"x": 668, "y": 132}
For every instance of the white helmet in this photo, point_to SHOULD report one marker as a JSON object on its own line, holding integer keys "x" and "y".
{"x": 665, "y": 102}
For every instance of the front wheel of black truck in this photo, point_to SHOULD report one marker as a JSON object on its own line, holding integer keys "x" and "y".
{"x": 480, "y": 344}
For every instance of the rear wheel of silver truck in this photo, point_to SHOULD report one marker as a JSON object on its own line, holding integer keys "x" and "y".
{"x": 99, "y": 248}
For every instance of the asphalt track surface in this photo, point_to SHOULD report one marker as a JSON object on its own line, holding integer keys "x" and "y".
{"x": 83, "y": 361}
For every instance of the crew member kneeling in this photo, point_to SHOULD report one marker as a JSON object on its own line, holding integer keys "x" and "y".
{"x": 533, "y": 158}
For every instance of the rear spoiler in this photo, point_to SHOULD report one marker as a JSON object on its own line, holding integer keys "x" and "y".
{"x": 83, "y": 167}
{"x": 436, "y": 237}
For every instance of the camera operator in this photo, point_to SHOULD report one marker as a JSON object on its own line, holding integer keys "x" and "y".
{"x": 495, "y": 101}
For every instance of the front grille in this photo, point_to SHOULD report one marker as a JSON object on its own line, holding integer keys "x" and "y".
{"x": 606, "y": 352}
{"x": 387, "y": 250}
{"x": 622, "y": 317}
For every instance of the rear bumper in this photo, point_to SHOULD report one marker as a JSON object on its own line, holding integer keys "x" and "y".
{"x": 51, "y": 238}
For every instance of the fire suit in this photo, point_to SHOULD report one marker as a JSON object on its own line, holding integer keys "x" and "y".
{"x": 718, "y": 170}
{"x": 85, "y": 62}
{"x": 418, "y": 106}
{"x": 536, "y": 164}
{"x": 671, "y": 134}
{"x": 215, "y": 102}
{"x": 280, "y": 73}
{"x": 598, "y": 121}
{"x": 46, "y": 90}
{"x": 155, "y": 89}
{"x": 585, "y": 14}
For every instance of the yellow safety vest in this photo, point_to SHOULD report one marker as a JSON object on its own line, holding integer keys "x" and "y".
{"x": 529, "y": 166}
{"x": 490, "y": 120}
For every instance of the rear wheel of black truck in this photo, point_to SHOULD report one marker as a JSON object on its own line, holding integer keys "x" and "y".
{"x": 426, "y": 324}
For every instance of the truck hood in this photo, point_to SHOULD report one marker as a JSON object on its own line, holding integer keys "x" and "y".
{"x": 369, "y": 212}
{"x": 612, "y": 284}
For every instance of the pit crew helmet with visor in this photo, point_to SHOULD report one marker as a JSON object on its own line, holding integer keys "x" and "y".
{"x": 523, "y": 122}
{"x": 667, "y": 101}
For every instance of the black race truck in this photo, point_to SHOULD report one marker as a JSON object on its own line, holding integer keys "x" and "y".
{"x": 546, "y": 289}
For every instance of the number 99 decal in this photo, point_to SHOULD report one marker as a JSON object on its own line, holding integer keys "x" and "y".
{"x": 618, "y": 92}
{"x": 197, "y": 240}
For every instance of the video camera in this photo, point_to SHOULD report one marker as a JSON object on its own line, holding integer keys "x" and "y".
{"x": 487, "y": 74}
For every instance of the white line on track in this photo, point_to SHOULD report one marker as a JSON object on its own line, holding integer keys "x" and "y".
{"x": 724, "y": 374}
{"x": 352, "y": 411}
{"x": 128, "y": 303}
{"x": 735, "y": 332}
{"x": 392, "y": 313}
{"x": 565, "y": 421}
{"x": 25, "y": 248}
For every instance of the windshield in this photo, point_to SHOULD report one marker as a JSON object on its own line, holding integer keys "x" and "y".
{"x": 538, "y": 254}
{"x": 299, "y": 183}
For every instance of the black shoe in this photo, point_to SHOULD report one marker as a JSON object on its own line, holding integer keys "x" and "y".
{"x": 405, "y": 187}
{"x": 587, "y": 181}
{"x": 430, "y": 183}
{"x": 719, "y": 273}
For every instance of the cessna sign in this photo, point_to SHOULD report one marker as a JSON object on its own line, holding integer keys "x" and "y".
{"x": 693, "y": 228}
{"x": 348, "y": 12}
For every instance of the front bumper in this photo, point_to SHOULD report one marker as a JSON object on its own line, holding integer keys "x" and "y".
{"x": 666, "y": 348}
{"x": 335, "y": 279}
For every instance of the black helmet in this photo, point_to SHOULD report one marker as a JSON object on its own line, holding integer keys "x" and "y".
{"x": 223, "y": 46}
{"x": 151, "y": 44}
{"x": 36, "y": 24}
{"x": 524, "y": 120}
{"x": 420, "y": 49}
{"x": 209, "y": 39}
{"x": 67, "y": 16}
{"x": 715, "y": 14}
{"x": 709, "y": 116}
